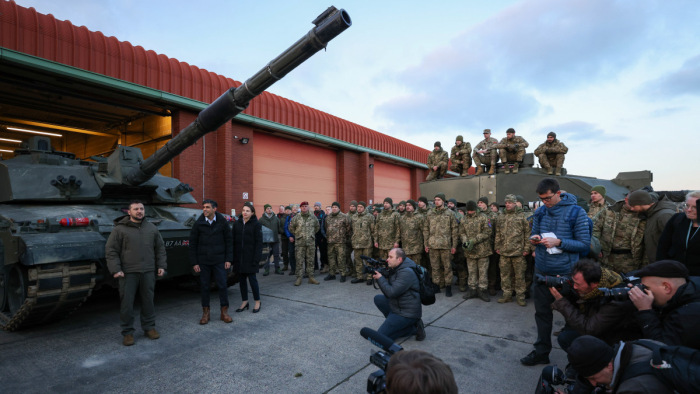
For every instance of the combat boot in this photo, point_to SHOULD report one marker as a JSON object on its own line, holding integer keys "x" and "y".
{"x": 521, "y": 301}
{"x": 279, "y": 272}
{"x": 479, "y": 171}
{"x": 329, "y": 277}
{"x": 128, "y": 340}
{"x": 298, "y": 281}
{"x": 462, "y": 288}
{"x": 224, "y": 315}
{"x": 205, "y": 315}
{"x": 448, "y": 291}
{"x": 484, "y": 295}
{"x": 266, "y": 272}
{"x": 558, "y": 171}
{"x": 505, "y": 299}
{"x": 342, "y": 278}
{"x": 550, "y": 170}
{"x": 492, "y": 291}
{"x": 313, "y": 281}
{"x": 470, "y": 294}
{"x": 515, "y": 167}
{"x": 492, "y": 169}
{"x": 506, "y": 168}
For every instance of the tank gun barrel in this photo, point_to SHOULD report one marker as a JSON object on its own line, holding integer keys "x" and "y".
{"x": 329, "y": 24}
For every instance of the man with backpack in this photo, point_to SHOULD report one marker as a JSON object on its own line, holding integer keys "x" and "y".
{"x": 560, "y": 236}
{"x": 400, "y": 302}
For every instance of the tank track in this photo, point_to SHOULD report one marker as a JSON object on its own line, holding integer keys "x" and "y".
{"x": 53, "y": 292}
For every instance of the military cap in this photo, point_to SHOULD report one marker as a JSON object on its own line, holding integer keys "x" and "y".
{"x": 424, "y": 199}
{"x": 589, "y": 355}
{"x": 460, "y": 138}
{"x": 402, "y": 203}
{"x": 318, "y": 204}
{"x": 511, "y": 198}
{"x": 304, "y": 203}
{"x": 353, "y": 202}
{"x": 664, "y": 269}
{"x": 487, "y": 131}
{"x": 471, "y": 205}
{"x": 485, "y": 200}
{"x": 520, "y": 199}
{"x": 415, "y": 204}
{"x": 510, "y": 130}
{"x": 437, "y": 143}
{"x": 441, "y": 196}
{"x": 335, "y": 204}
{"x": 552, "y": 134}
{"x": 364, "y": 204}
{"x": 389, "y": 200}
{"x": 266, "y": 206}
{"x": 639, "y": 197}
{"x": 600, "y": 189}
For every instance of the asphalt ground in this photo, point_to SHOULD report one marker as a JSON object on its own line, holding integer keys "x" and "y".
{"x": 305, "y": 339}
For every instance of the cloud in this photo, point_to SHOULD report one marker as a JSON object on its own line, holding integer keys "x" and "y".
{"x": 664, "y": 112}
{"x": 684, "y": 81}
{"x": 579, "y": 132}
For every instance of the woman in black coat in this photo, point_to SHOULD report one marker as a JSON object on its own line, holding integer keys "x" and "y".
{"x": 680, "y": 239}
{"x": 247, "y": 252}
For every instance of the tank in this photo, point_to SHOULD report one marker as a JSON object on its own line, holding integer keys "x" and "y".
{"x": 57, "y": 211}
{"x": 524, "y": 183}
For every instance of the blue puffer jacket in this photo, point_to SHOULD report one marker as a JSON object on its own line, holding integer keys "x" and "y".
{"x": 575, "y": 235}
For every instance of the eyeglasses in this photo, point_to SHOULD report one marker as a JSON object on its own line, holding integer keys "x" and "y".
{"x": 688, "y": 207}
{"x": 545, "y": 199}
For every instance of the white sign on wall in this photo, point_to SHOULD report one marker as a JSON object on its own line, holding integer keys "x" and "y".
{"x": 245, "y": 196}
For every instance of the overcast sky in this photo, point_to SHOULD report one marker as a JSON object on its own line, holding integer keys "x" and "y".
{"x": 618, "y": 81}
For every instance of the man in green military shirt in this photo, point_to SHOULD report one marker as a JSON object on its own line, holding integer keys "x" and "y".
{"x": 411, "y": 226}
{"x": 337, "y": 233}
{"x": 485, "y": 153}
{"x": 304, "y": 226}
{"x": 512, "y": 245}
{"x": 551, "y": 154}
{"x": 461, "y": 156}
{"x": 511, "y": 150}
{"x": 441, "y": 235}
{"x": 620, "y": 231}
{"x": 475, "y": 234}
{"x": 362, "y": 225}
{"x": 597, "y": 202}
{"x": 387, "y": 229}
{"x": 437, "y": 162}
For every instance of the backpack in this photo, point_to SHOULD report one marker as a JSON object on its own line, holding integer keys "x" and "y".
{"x": 425, "y": 283}
{"x": 675, "y": 366}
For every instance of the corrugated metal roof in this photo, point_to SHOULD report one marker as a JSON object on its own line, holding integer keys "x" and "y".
{"x": 25, "y": 30}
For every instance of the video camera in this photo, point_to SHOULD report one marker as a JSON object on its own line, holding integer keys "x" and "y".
{"x": 374, "y": 265}
{"x": 558, "y": 282}
{"x": 619, "y": 293}
{"x": 552, "y": 376}
{"x": 376, "y": 383}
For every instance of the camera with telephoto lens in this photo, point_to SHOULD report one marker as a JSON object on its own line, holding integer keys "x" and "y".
{"x": 619, "y": 293}
{"x": 553, "y": 376}
{"x": 376, "y": 382}
{"x": 558, "y": 282}
{"x": 374, "y": 265}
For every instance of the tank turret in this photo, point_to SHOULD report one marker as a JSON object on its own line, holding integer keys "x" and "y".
{"x": 56, "y": 211}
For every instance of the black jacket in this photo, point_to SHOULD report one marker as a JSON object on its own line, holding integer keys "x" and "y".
{"x": 672, "y": 244}
{"x": 401, "y": 287}
{"x": 611, "y": 321}
{"x": 247, "y": 245}
{"x": 211, "y": 244}
{"x": 678, "y": 322}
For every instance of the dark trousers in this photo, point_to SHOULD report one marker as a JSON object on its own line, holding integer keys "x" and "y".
{"x": 274, "y": 248}
{"x": 219, "y": 273}
{"x": 129, "y": 285}
{"x": 394, "y": 326}
{"x": 285, "y": 249}
{"x": 253, "y": 285}
{"x": 543, "y": 318}
{"x": 292, "y": 257}
{"x": 322, "y": 245}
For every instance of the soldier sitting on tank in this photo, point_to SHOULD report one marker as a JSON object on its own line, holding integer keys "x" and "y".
{"x": 437, "y": 162}
{"x": 511, "y": 150}
{"x": 485, "y": 153}
{"x": 551, "y": 154}
{"x": 461, "y": 156}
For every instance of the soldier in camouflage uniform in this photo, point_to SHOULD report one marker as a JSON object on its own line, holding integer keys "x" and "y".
{"x": 512, "y": 244}
{"x": 597, "y": 203}
{"x": 475, "y": 234}
{"x": 362, "y": 225}
{"x": 494, "y": 273}
{"x": 461, "y": 156}
{"x": 437, "y": 162}
{"x": 511, "y": 150}
{"x": 349, "y": 263}
{"x": 441, "y": 235}
{"x": 485, "y": 153}
{"x": 460, "y": 262}
{"x": 388, "y": 233}
{"x": 551, "y": 154}
{"x": 401, "y": 208}
{"x": 621, "y": 234}
{"x": 411, "y": 230}
{"x": 423, "y": 207}
{"x": 304, "y": 226}
{"x": 337, "y": 234}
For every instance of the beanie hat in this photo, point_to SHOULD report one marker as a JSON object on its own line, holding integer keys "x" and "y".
{"x": 415, "y": 205}
{"x": 581, "y": 202}
{"x": 485, "y": 200}
{"x": 600, "y": 189}
{"x": 364, "y": 204}
{"x": 460, "y": 138}
{"x": 424, "y": 199}
{"x": 389, "y": 200}
{"x": 441, "y": 196}
{"x": 335, "y": 204}
{"x": 510, "y": 130}
{"x": 453, "y": 201}
{"x": 511, "y": 198}
{"x": 267, "y": 206}
{"x": 318, "y": 204}
{"x": 353, "y": 202}
{"x": 589, "y": 355}
{"x": 520, "y": 199}
{"x": 437, "y": 143}
{"x": 402, "y": 203}
{"x": 471, "y": 205}
{"x": 639, "y": 197}
{"x": 664, "y": 269}
{"x": 552, "y": 134}
{"x": 288, "y": 207}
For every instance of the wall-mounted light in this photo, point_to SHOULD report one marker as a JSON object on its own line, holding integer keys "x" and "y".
{"x": 5, "y": 150}
{"x": 371, "y": 166}
{"x": 34, "y": 132}
{"x": 11, "y": 140}
{"x": 244, "y": 141}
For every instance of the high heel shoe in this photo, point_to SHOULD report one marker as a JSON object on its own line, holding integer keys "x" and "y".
{"x": 247, "y": 306}
{"x": 256, "y": 310}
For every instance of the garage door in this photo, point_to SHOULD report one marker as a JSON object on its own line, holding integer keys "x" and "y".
{"x": 392, "y": 181}
{"x": 287, "y": 171}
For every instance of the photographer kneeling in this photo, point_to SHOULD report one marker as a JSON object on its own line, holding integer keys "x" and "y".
{"x": 400, "y": 302}
{"x": 588, "y": 311}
